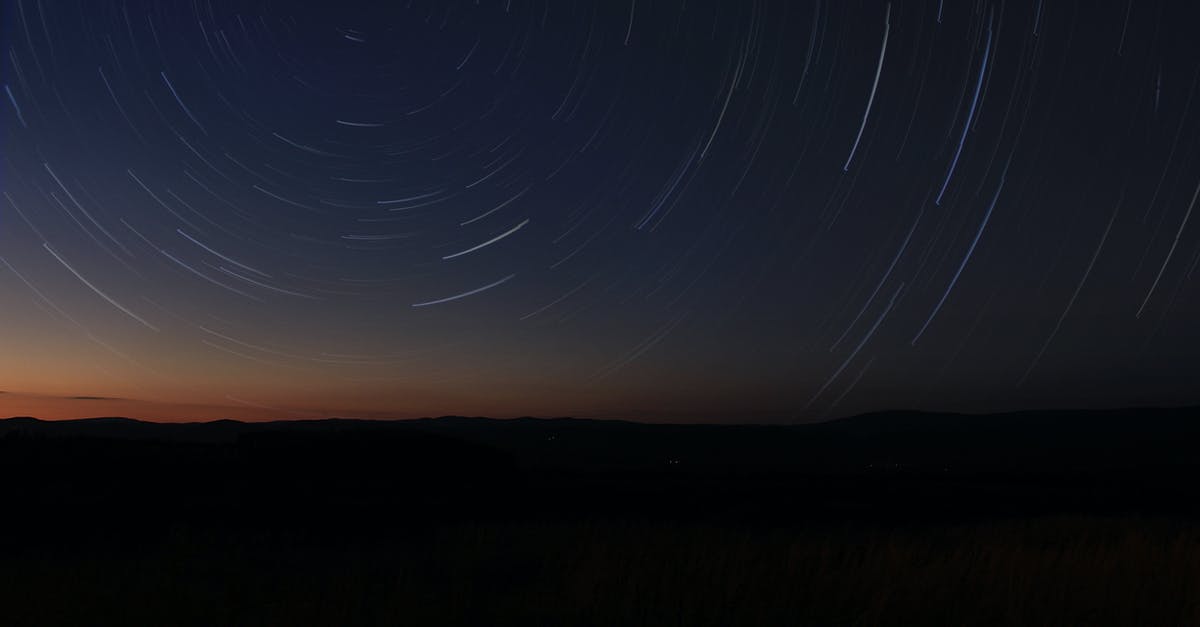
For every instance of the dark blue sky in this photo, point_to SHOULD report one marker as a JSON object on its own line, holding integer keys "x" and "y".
{"x": 659, "y": 210}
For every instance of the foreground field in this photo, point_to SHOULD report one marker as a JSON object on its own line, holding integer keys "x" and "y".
{"x": 1047, "y": 571}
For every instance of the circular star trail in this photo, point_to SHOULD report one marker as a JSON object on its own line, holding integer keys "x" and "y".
{"x": 671, "y": 210}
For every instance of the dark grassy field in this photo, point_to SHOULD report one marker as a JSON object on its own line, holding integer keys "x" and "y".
{"x": 1044, "y": 571}
{"x": 902, "y": 519}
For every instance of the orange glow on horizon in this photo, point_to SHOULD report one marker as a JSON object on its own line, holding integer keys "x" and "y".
{"x": 47, "y": 407}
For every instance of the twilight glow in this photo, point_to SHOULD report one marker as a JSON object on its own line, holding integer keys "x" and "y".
{"x": 702, "y": 211}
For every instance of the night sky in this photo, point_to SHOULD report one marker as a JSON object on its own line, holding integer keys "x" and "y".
{"x": 670, "y": 210}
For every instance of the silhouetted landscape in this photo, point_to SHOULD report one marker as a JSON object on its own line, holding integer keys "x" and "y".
{"x": 711, "y": 248}
{"x": 896, "y": 518}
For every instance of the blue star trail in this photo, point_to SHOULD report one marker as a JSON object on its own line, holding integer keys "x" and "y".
{"x": 659, "y": 210}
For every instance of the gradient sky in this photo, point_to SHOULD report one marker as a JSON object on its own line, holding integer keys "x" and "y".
{"x": 710, "y": 211}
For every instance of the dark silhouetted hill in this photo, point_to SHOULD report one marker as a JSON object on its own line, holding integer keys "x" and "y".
{"x": 125, "y": 475}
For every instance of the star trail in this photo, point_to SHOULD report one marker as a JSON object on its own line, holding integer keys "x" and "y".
{"x": 675, "y": 210}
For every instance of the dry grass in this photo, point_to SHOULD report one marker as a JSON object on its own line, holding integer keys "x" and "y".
{"x": 1069, "y": 571}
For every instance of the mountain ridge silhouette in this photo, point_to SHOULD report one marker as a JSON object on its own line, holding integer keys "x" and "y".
{"x": 1033, "y": 440}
